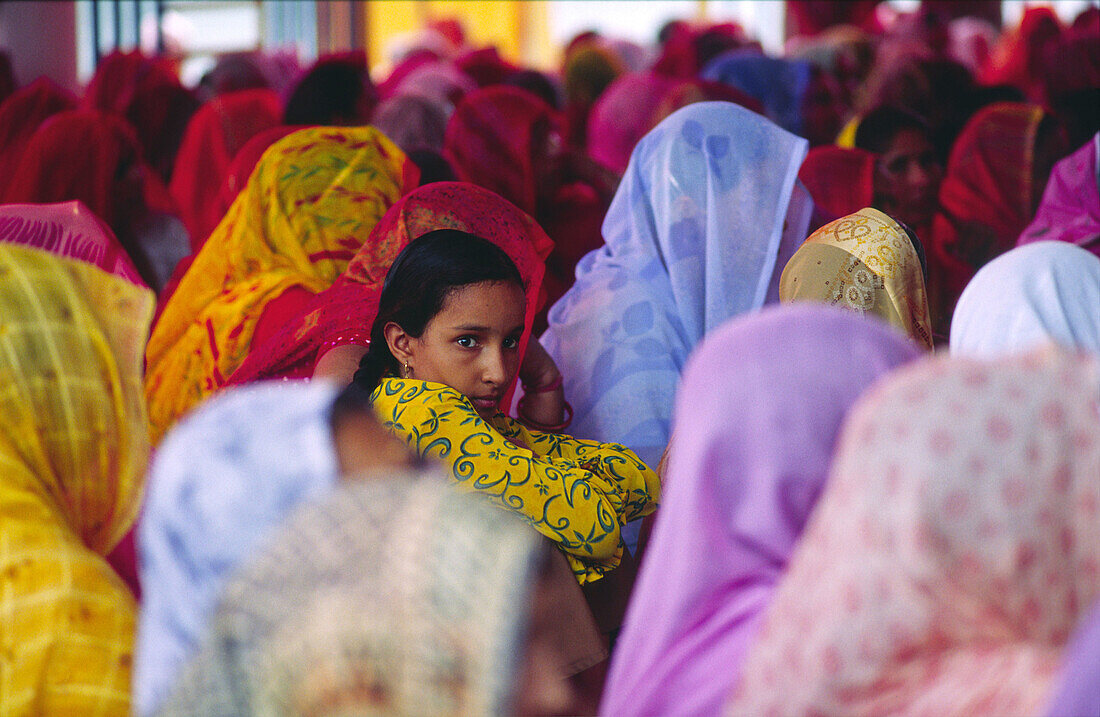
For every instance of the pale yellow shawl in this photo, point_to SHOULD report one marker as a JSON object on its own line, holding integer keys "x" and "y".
{"x": 73, "y": 448}
{"x": 863, "y": 262}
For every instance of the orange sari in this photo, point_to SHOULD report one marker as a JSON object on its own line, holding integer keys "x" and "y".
{"x": 310, "y": 204}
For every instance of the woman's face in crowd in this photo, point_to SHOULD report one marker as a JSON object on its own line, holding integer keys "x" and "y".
{"x": 907, "y": 178}
{"x": 472, "y": 344}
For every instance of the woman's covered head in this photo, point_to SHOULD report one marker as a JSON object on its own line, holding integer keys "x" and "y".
{"x": 451, "y": 311}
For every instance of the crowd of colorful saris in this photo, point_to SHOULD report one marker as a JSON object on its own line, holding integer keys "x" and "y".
{"x": 843, "y": 304}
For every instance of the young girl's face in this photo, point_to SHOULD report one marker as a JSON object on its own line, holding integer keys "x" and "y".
{"x": 472, "y": 344}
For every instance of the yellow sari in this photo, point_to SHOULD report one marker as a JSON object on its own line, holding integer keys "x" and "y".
{"x": 863, "y": 262}
{"x": 73, "y": 448}
{"x": 309, "y": 205}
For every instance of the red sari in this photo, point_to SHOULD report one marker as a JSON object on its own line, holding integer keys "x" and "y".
{"x": 841, "y": 181}
{"x": 344, "y": 313}
{"x": 21, "y": 114}
{"x": 985, "y": 200}
{"x": 93, "y": 157}
{"x": 214, "y": 136}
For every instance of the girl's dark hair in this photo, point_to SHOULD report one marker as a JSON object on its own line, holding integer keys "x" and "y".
{"x": 422, "y": 277}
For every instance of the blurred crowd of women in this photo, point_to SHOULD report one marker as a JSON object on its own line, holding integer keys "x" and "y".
{"x": 680, "y": 380}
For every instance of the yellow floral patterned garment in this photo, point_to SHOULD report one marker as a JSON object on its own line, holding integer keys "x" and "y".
{"x": 576, "y": 492}
{"x": 73, "y": 448}
{"x": 863, "y": 262}
{"x": 307, "y": 208}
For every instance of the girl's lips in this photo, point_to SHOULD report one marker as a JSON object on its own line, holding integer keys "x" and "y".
{"x": 485, "y": 402}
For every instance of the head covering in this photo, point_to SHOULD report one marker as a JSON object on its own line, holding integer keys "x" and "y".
{"x": 489, "y": 142}
{"x": 120, "y": 77}
{"x": 1046, "y": 291}
{"x": 222, "y": 481}
{"x": 78, "y": 155}
{"x": 864, "y": 262}
{"x": 439, "y": 81}
{"x": 1078, "y": 691}
{"x": 345, "y": 312}
{"x": 21, "y": 114}
{"x": 693, "y": 237}
{"x": 757, "y": 417}
{"x": 310, "y": 204}
{"x": 779, "y": 84}
{"x": 73, "y": 448}
{"x": 1070, "y": 209}
{"x": 67, "y": 229}
{"x": 392, "y": 597}
{"x": 213, "y": 137}
{"x": 986, "y": 194}
{"x": 93, "y": 157}
{"x": 840, "y": 180}
{"x": 621, "y": 117}
{"x": 952, "y": 552}
{"x": 412, "y": 122}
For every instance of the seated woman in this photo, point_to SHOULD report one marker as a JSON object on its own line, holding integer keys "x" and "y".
{"x": 387, "y": 597}
{"x": 908, "y": 171}
{"x": 444, "y": 351}
{"x": 708, "y": 213}
{"x": 952, "y": 553}
{"x": 309, "y": 206}
{"x": 1045, "y": 291}
{"x": 73, "y": 447}
{"x": 330, "y": 332}
{"x": 867, "y": 263}
{"x": 757, "y": 419}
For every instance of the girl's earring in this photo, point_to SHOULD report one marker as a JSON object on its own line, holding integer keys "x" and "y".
{"x": 406, "y": 371}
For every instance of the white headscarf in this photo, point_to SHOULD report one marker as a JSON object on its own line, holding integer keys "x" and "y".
{"x": 1045, "y": 291}
{"x": 222, "y": 479}
{"x": 707, "y": 212}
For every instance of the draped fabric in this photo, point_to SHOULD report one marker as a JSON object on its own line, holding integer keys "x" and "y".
{"x": 122, "y": 76}
{"x": 840, "y": 180}
{"x": 985, "y": 197}
{"x": 83, "y": 155}
{"x": 779, "y": 84}
{"x": 388, "y": 597}
{"x": 577, "y": 493}
{"x": 234, "y": 182}
{"x": 953, "y": 551}
{"x": 866, "y": 263}
{"x": 707, "y": 211}
{"x": 20, "y": 115}
{"x": 757, "y": 419}
{"x": 1070, "y": 208}
{"x": 622, "y": 116}
{"x": 93, "y": 157}
{"x": 222, "y": 481}
{"x": 73, "y": 448}
{"x": 1045, "y": 291}
{"x": 489, "y": 142}
{"x": 345, "y": 313}
{"x": 67, "y": 229}
{"x": 214, "y": 136}
{"x": 308, "y": 207}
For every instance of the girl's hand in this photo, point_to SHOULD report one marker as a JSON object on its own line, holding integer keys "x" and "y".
{"x": 541, "y": 408}
{"x": 538, "y": 368}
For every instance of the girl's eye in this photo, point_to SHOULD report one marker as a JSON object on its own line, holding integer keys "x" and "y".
{"x": 511, "y": 342}
{"x": 466, "y": 342}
